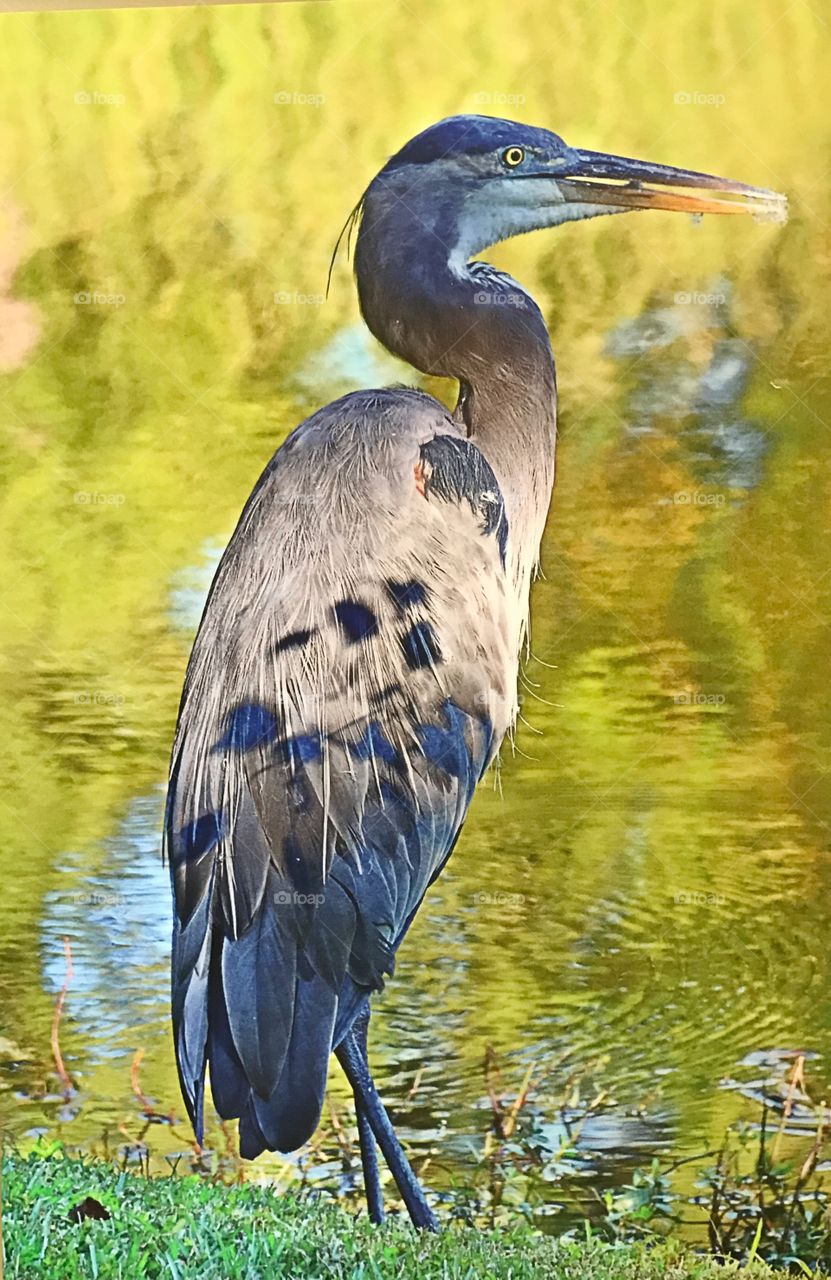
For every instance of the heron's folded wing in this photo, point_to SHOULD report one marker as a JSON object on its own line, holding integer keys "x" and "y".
{"x": 353, "y": 675}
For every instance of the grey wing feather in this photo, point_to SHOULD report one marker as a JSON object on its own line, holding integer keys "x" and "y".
{"x": 352, "y": 678}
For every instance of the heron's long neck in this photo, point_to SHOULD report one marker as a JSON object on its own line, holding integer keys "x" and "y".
{"x": 481, "y": 328}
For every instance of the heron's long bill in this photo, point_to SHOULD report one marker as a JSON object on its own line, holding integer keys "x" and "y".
{"x": 597, "y": 178}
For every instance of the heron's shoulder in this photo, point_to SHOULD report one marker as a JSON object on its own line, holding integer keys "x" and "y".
{"x": 363, "y": 419}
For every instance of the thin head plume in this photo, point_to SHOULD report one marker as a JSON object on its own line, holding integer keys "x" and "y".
{"x": 346, "y": 230}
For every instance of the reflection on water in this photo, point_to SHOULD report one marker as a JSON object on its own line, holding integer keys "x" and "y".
{"x": 120, "y": 933}
{"x": 643, "y": 898}
{"x": 351, "y": 360}
{"x": 189, "y": 588}
{"x": 724, "y": 449}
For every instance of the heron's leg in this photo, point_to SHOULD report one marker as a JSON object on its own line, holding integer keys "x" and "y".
{"x": 369, "y": 1152}
{"x": 355, "y": 1065}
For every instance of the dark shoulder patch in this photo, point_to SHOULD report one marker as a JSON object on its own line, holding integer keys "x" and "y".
{"x": 407, "y": 595}
{"x": 292, "y": 640}
{"x": 196, "y": 839}
{"x": 356, "y": 620}
{"x": 421, "y": 647}
{"x": 246, "y": 726}
{"x": 456, "y": 471}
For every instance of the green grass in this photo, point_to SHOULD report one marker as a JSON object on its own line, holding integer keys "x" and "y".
{"x": 178, "y": 1227}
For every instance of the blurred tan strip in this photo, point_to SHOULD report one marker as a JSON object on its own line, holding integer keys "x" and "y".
{"x": 62, "y": 6}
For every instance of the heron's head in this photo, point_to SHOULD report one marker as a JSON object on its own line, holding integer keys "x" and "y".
{"x": 470, "y": 181}
{"x": 475, "y": 180}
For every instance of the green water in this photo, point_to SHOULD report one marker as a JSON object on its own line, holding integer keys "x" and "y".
{"x": 648, "y": 891}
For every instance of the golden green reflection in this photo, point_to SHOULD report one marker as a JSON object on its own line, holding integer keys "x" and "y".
{"x": 650, "y": 880}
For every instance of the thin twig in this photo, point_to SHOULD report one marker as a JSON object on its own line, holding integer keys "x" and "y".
{"x": 677, "y": 1164}
{"x": 714, "y": 1219}
{"x": 805, "y": 1172}
{"x": 341, "y": 1136}
{"x": 148, "y": 1110}
{"x": 492, "y": 1083}
{"x": 796, "y": 1081}
{"x": 519, "y": 1102}
{"x": 68, "y": 1086}
{"x": 416, "y": 1085}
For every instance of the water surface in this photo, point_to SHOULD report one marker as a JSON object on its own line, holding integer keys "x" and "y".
{"x": 644, "y": 896}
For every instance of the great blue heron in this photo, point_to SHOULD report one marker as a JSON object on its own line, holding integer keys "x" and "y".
{"x": 356, "y": 666}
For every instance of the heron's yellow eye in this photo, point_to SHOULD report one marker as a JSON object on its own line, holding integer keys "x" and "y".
{"x": 513, "y": 156}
